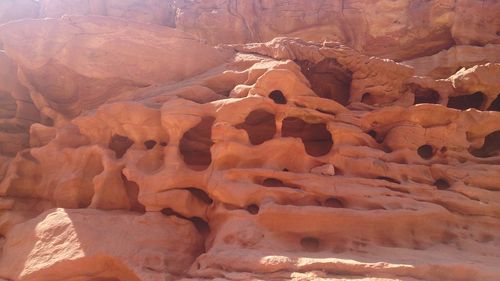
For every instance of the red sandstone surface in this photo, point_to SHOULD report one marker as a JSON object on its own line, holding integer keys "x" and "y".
{"x": 153, "y": 140}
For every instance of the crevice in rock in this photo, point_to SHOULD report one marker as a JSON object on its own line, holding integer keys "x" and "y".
{"x": 260, "y": 126}
{"x": 201, "y": 195}
{"x": 273, "y": 182}
{"x": 196, "y": 143}
{"x": 388, "y": 179}
{"x": 132, "y": 189}
{"x": 316, "y": 138}
{"x": 376, "y": 136}
{"x": 475, "y": 100}
{"x": 495, "y": 105}
{"x": 201, "y": 225}
{"x": 328, "y": 79}
{"x": 490, "y": 148}
{"x": 120, "y": 144}
{"x": 278, "y": 97}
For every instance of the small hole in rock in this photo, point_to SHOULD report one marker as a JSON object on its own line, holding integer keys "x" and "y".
{"x": 278, "y": 97}
{"x": 468, "y": 101}
{"x": 442, "y": 184}
{"x": 260, "y": 126}
{"x": 443, "y": 149}
{"x": 163, "y": 143}
{"x": 333, "y": 202}
{"x": 491, "y": 146}
{"x": 253, "y": 209}
{"x": 149, "y": 144}
{"x": 425, "y": 151}
{"x": 495, "y": 105}
{"x": 310, "y": 244}
{"x": 316, "y": 138}
{"x": 272, "y": 182}
{"x": 120, "y": 144}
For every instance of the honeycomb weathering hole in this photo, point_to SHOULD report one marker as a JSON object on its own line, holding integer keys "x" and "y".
{"x": 475, "y": 100}
{"x": 273, "y": 182}
{"x": 253, "y": 209}
{"x": 442, "y": 184}
{"x": 196, "y": 143}
{"x": 425, "y": 151}
{"x": 149, "y": 144}
{"x": 260, "y": 126}
{"x": 490, "y": 148}
{"x": 424, "y": 95}
{"x": 278, "y": 97}
{"x": 333, "y": 202}
{"x": 316, "y": 138}
{"x": 310, "y": 244}
{"x": 120, "y": 144}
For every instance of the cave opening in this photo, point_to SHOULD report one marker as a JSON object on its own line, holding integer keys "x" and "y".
{"x": 490, "y": 148}
{"x": 465, "y": 102}
{"x": 316, "y": 138}
{"x": 196, "y": 143}
{"x": 260, "y": 126}
{"x": 329, "y": 79}
{"x": 120, "y": 144}
{"x": 424, "y": 95}
{"x": 278, "y": 97}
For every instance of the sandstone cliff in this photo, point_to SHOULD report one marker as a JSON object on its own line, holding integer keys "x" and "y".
{"x": 249, "y": 140}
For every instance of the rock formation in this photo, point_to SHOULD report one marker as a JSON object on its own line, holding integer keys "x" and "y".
{"x": 249, "y": 140}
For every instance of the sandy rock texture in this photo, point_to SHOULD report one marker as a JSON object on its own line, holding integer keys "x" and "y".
{"x": 249, "y": 140}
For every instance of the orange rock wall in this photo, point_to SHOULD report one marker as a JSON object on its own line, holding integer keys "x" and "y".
{"x": 249, "y": 140}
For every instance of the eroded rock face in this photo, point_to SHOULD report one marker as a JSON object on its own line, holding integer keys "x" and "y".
{"x": 132, "y": 149}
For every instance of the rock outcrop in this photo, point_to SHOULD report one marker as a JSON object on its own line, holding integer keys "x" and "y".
{"x": 249, "y": 140}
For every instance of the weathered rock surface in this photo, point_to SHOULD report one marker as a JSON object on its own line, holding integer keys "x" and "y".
{"x": 133, "y": 149}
